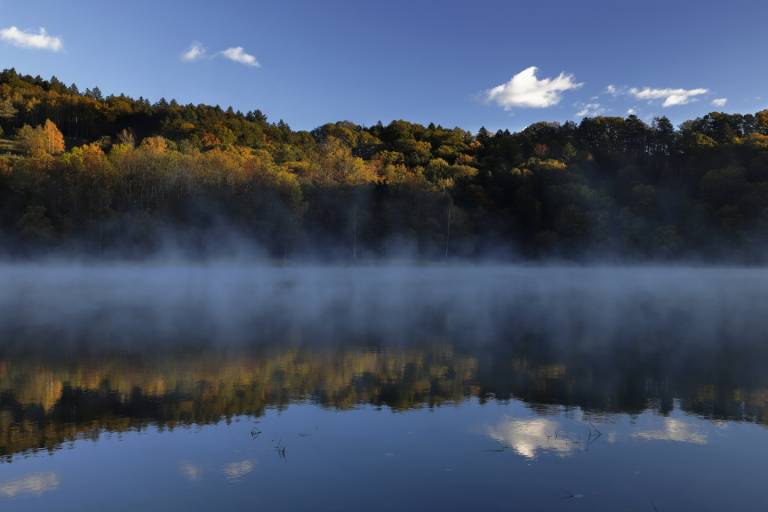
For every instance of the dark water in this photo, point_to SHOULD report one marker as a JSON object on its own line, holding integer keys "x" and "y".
{"x": 236, "y": 387}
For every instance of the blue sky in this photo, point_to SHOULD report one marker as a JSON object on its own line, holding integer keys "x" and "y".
{"x": 310, "y": 62}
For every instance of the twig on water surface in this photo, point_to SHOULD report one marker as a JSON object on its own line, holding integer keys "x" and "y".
{"x": 572, "y": 496}
{"x": 500, "y": 448}
{"x": 593, "y": 434}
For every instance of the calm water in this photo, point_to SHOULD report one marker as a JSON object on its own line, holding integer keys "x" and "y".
{"x": 235, "y": 387}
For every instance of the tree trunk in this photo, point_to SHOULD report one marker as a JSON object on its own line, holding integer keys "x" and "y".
{"x": 448, "y": 228}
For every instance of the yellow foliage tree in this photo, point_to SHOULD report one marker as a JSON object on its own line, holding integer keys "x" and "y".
{"x": 42, "y": 140}
{"x": 156, "y": 144}
{"x": 88, "y": 158}
{"x": 338, "y": 165}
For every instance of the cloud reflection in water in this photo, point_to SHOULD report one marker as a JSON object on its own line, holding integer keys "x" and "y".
{"x": 35, "y": 483}
{"x": 236, "y": 470}
{"x": 673, "y": 430}
{"x": 527, "y": 437}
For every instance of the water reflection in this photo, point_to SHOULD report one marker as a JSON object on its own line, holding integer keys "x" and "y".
{"x": 191, "y": 472}
{"x": 46, "y": 401}
{"x": 236, "y": 470}
{"x": 673, "y": 429}
{"x": 453, "y": 381}
{"x": 37, "y": 483}
{"x": 529, "y": 436}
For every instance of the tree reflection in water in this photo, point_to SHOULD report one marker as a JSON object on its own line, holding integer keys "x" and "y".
{"x": 46, "y": 401}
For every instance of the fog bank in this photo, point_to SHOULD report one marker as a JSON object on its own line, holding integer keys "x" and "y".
{"x": 229, "y": 303}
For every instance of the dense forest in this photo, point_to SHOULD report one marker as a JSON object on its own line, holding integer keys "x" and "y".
{"x": 123, "y": 177}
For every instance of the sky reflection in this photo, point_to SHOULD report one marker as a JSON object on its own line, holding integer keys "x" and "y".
{"x": 236, "y": 470}
{"x": 527, "y": 437}
{"x": 673, "y": 429}
{"x": 36, "y": 483}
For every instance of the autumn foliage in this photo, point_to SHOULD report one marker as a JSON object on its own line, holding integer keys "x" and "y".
{"x": 123, "y": 176}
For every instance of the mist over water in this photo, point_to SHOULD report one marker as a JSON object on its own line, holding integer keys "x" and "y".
{"x": 123, "y": 305}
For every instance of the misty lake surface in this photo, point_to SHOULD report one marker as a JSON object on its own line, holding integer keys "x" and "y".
{"x": 236, "y": 386}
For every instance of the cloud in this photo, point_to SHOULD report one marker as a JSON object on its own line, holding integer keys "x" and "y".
{"x": 671, "y": 97}
{"x": 612, "y": 90}
{"x": 631, "y": 111}
{"x": 590, "y": 110}
{"x": 237, "y": 54}
{"x": 35, "y": 41}
{"x": 195, "y": 52}
{"x": 719, "y": 102}
{"x": 527, "y": 91}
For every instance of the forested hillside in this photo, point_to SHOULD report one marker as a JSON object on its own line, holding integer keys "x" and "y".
{"x": 124, "y": 177}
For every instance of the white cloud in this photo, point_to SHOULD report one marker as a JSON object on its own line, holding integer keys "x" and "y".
{"x": 631, "y": 112}
{"x": 671, "y": 97}
{"x": 34, "y": 40}
{"x": 525, "y": 90}
{"x": 612, "y": 90}
{"x": 237, "y": 54}
{"x": 195, "y": 52}
{"x": 719, "y": 102}
{"x": 590, "y": 110}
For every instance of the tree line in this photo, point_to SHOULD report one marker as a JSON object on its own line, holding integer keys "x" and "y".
{"x": 123, "y": 176}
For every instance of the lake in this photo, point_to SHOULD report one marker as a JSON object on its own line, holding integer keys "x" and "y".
{"x": 234, "y": 385}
